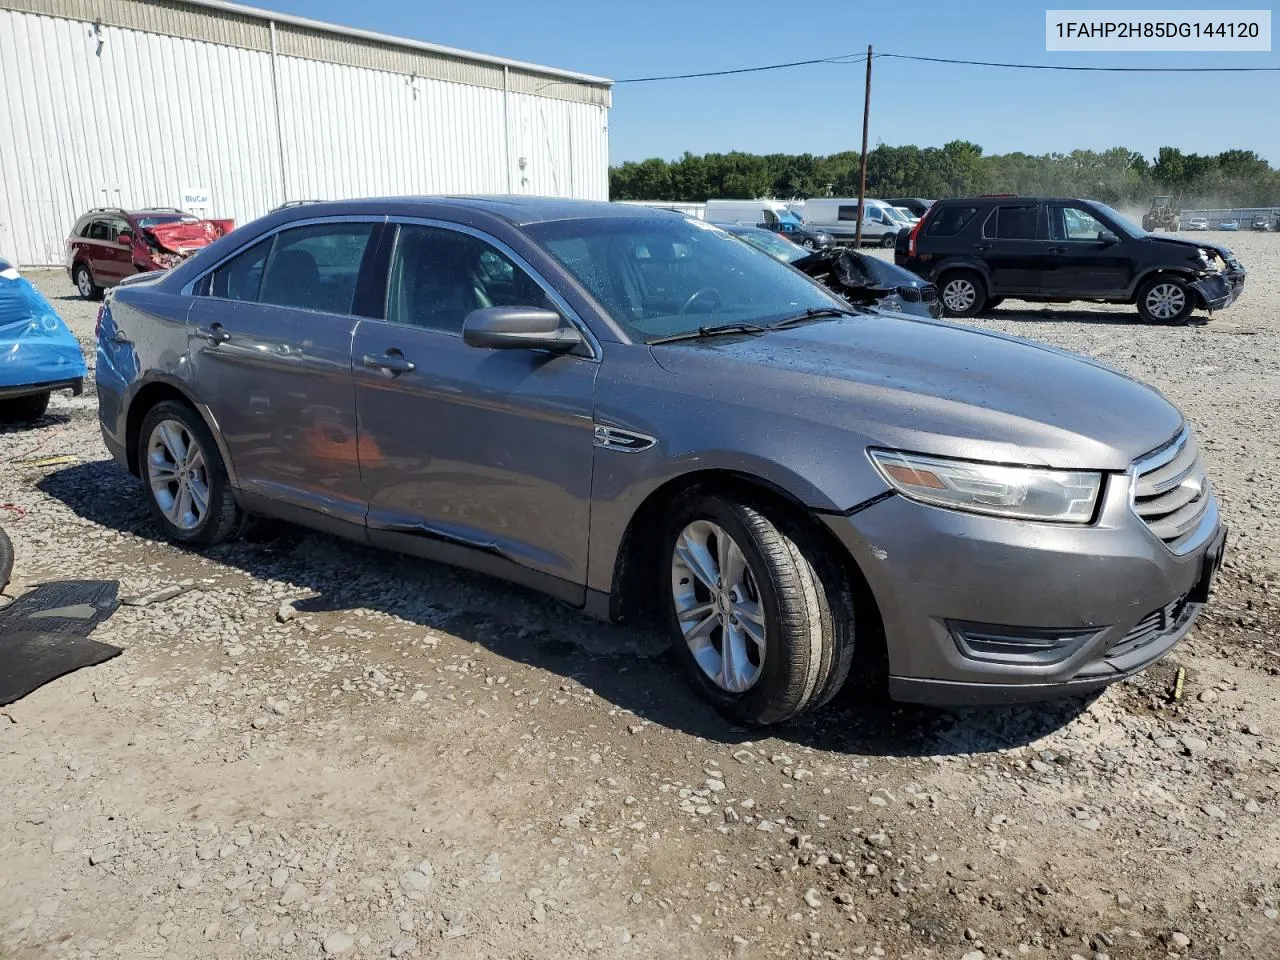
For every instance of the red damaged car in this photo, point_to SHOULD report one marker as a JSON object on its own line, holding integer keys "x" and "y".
{"x": 108, "y": 244}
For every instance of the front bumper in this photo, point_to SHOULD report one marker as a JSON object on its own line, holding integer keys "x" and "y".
{"x": 981, "y": 609}
{"x": 1220, "y": 290}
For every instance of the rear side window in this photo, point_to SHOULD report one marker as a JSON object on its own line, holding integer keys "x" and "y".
{"x": 949, "y": 221}
{"x": 1012, "y": 223}
{"x": 315, "y": 267}
{"x": 84, "y": 228}
{"x": 240, "y": 278}
{"x": 98, "y": 230}
{"x": 847, "y": 213}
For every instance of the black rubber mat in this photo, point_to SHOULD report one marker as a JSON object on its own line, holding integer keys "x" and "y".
{"x": 44, "y": 634}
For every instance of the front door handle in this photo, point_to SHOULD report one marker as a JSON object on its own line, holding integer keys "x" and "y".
{"x": 215, "y": 334}
{"x": 1057, "y": 249}
{"x": 392, "y": 363}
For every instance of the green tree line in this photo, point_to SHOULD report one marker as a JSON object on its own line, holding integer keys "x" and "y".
{"x": 960, "y": 168}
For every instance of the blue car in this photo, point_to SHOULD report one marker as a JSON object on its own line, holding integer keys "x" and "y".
{"x": 38, "y": 354}
{"x": 1229, "y": 225}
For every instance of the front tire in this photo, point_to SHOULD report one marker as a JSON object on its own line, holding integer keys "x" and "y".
{"x": 186, "y": 481}
{"x": 759, "y": 614}
{"x": 84, "y": 283}
{"x": 24, "y": 410}
{"x": 1166, "y": 300}
{"x": 889, "y": 241}
{"x": 963, "y": 293}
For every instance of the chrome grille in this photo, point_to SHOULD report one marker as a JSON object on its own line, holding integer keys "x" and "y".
{"x": 1171, "y": 491}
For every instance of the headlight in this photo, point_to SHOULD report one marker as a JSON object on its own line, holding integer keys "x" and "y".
{"x": 1208, "y": 259}
{"x": 1028, "y": 493}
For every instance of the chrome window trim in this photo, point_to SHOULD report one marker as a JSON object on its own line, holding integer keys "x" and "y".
{"x": 566, "y": 311}
{"x": 188, "y": 289}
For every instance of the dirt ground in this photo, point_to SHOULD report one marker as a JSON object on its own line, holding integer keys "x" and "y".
{"x": 321, "y": 750}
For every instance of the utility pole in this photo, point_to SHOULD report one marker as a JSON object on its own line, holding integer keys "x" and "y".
{"x": 862, "y": 175}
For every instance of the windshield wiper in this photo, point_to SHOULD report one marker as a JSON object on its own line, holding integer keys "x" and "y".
{"x": 717, "y": 330}
{"x": 813, "y": 313}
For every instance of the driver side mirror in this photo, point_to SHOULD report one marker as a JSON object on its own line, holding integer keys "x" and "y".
{"x": 519, "y": 328}
{"x": 125, "y": 238}
{"x": 1107, "y": 237}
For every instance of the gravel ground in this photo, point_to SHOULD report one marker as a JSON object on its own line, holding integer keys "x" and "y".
{"x": 321, "y": 750}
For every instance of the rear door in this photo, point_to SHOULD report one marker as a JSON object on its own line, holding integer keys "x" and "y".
{"x": 108, "y": 261}
{"x": 1010, "y": 246}
{"x": 467, "y": 454}
{"x": 1085, "y": 257}
{"x": 271, "y": 333}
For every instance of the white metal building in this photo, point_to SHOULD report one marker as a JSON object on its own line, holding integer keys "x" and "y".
{"x": 229, "y": 111}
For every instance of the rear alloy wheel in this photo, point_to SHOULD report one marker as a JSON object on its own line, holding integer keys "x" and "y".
{"x": 84, "y": 283}
{"x": 1166, "y": 300}
{"x": 187, "y": 485}
{"x": 760, "y": 616}
{"x": 963, "y": 294}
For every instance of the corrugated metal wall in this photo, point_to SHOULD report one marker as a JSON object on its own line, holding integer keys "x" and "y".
{"x": 107, "y": 116}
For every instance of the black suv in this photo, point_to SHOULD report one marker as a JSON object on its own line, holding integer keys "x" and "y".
{"x": 980, "y": 250}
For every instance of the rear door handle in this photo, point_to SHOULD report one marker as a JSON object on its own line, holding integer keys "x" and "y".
{"x": 1057, "y": 249}
{"x": 981, "y": 247}
{"x": 392, "y": 363}
{"x": 215, "y": 334}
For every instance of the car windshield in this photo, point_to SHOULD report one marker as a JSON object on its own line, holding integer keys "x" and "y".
{"x": 152, "y": 219}
{"x": 895, "y": 214}
{"x": 774, "y": 245}
{"x": 1120, "y": 222}
{"x": 659, "y": 276}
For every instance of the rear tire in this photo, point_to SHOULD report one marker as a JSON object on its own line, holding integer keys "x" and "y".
{"x": 963, "y": 293}
{"x": 889, "y": 241}
{"x": 6, "y": 559}
{"x": 1166, "y": 300}
{"x": 186, "y": 481}
{"x": 767, "y": 591}
{"x": 24, "y": 409}
{"x": 83, "y": 278}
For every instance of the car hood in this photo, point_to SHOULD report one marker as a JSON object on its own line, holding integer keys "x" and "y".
{"x": 184, "y": 236}
{"x": 934, "y": 387}
{"x": 1219, "y": 249}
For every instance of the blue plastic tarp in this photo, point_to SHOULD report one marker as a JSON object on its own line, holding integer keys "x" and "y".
{"x": 35, "y": 345}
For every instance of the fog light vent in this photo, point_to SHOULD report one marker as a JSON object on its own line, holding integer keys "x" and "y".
{"x": 994, "y": 643}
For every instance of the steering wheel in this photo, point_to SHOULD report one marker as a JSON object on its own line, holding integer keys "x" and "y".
{"x": 698, "y": 295}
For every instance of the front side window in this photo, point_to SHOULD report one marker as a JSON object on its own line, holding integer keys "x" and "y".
{"x": 1072, "y": 223}
{"x": 438, "y": 276}
{"x": 1012, "y": 223}
{"x": 657, "y": 277}
{"x": 949, "y": 221}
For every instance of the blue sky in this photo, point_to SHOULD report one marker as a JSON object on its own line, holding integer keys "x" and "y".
{"x": 819, "y": 109}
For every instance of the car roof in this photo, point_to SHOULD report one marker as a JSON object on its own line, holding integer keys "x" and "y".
{"x": 739, "y": 227}
{"x": 515, "y": 208}
{"x": 1014, "y": 198}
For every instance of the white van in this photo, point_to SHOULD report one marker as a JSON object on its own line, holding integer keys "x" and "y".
{"x": 750, "y": 212}
{"x": 838, "y": 216}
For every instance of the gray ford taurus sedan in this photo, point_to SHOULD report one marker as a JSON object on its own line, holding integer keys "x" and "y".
{"x": 631, "y": 410}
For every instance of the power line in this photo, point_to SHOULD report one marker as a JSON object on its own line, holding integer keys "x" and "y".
{"x": 852, "y": 58}
{"x": 847, "y": 58}
{"x": 1056, "y": 66}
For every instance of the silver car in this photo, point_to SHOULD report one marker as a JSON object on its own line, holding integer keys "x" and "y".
{"x": 636, "y": 413}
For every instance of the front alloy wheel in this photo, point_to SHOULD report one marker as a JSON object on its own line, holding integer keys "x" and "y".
{"x": 963, "y": 294}
{"x": 761, "y": 613}
{"x": 718, "y": 606}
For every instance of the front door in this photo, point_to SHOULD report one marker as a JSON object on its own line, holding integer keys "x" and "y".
{"x": 1011, "y": 250}
{"x": 271, "y": 356}
{"x": 474, "y": 455}
{"x": 1085, "y": 257}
